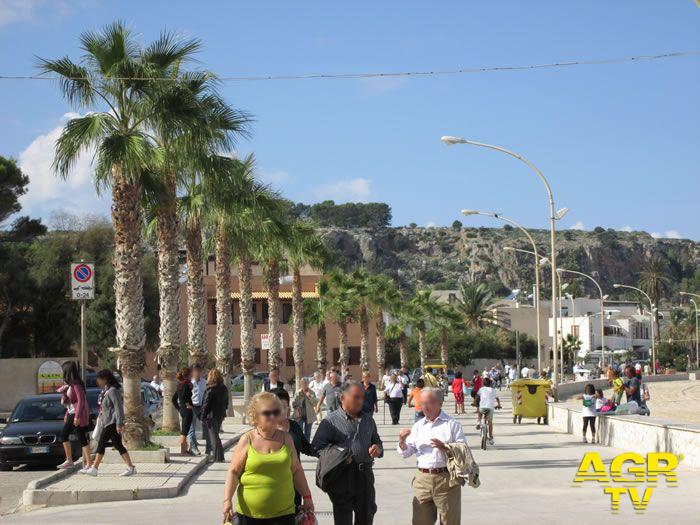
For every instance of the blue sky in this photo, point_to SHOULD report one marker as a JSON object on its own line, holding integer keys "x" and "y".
{"x": 619, "y": 143}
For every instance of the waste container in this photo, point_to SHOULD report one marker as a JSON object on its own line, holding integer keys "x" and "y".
{"x": 530, "y": 399}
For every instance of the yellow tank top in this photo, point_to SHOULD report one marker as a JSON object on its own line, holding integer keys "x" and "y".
{"x": 266, "y": 489}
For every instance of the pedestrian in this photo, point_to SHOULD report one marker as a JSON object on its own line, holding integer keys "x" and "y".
{"x": 430, "y": 378}
{"x": 182, "y": 401}
{"x": 304, "y": 407}
{"x": 77, "y": 418}
{"x": 414, "y": 399}
{"x": 429, "y": 438}
{"x": 525, "y": 372}
{"x": 265, "y": 470}
{"x": 317, "y": 383}
{"x": 199, "y": 385}
{"x": 291, "y": 427}
{"x": 404, "y": 379}
{"x": 330, "y": 394}
{"x": 393, "y": 394}
{"x": 458, "y": 392}
{"x": 371, "y": 403}
{"x": 488, "y": 402}
{"x": 588, "y": 411}
{"x": 273, "y": 382}
{"x": 214, "y": 406}
{"x": 110, "y": 424}
{"x": 353, "y": 488}
{"x": 477, "y": 383}
{"x": 632, "y": 386}
{"x": 157, "y": 384}
{"x": 618, "y": 388}
{"x": 600, "y": 400}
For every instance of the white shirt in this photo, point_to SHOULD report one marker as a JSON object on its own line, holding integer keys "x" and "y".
{"x": 444, "y": 428}
{"x": 394, "y": 390}
{"x": 157, "y": 386}
{"x": 487, "y": 397}
{"x": 316, "y": 386}
{"x": 525, "y": 373}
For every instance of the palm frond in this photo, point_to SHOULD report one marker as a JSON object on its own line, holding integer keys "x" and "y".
{"x": 74, "y": 80}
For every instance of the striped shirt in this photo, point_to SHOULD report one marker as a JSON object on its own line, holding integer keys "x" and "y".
{"x": 339, "y": 428}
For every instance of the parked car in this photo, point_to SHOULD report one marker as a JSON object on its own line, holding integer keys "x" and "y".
{"x": 258, "y": 378}
{"x": 33, "y": 430}
{"x": 152, "y": 401}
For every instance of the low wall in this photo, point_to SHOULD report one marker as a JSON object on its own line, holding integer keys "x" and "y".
{"x": 575, "y": 388}
{"x": 18, "y": 378}
{"x": 634, "y": 433}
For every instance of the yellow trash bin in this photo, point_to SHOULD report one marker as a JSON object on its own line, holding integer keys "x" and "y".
{"x": 530, "y": 399}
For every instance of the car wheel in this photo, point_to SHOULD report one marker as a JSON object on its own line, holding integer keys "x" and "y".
{"x": 5, "y": 467}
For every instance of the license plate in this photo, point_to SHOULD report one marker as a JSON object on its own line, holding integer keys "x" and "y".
{"x": 39, "y": 450}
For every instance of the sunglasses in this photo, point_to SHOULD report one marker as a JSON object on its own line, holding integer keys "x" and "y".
{"x": 271, "y": 413}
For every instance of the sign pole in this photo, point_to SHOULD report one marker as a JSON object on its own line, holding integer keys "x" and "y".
{"x": 82, "y": 340}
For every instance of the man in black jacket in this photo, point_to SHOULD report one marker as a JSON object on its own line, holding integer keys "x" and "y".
{"x": 273, "y": 383}
{"x": 351, "y": 487}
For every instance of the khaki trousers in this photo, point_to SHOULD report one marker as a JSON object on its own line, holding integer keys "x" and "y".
{"x": 433, "y": 497}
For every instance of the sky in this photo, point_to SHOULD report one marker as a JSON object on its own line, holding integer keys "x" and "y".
{"x": 618, "y": 142}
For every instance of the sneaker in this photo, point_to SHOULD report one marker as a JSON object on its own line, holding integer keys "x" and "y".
{"x": 585, "y": 440}
{"x": 92, "y": 471}
{"x": 84, "y": 470}
{"x": 196, "y": 452}
{"x": 491, "y": 441}
{"x": 66, "y": 465}
{"x": 130, "y": 471}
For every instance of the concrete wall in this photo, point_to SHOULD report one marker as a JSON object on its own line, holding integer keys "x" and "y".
{"x": 576, "y": 388}
{"x": 18, "y": 379}
{"x": 634, "y": 433}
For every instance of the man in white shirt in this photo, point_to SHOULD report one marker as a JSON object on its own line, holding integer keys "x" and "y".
{"x": 525, "y": 372}
{"x": 157, "y": 384}
{"x": 317, "y": 383}
{"x": 199, "y": 385}
{"x": 433, "y": 496}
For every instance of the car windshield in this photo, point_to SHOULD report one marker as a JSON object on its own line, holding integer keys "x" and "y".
{"x": 49, "y": 409}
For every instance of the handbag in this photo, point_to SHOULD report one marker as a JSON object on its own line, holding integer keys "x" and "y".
{"x": 97, "y": 430}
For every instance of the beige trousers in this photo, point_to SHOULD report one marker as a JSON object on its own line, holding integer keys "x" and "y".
{"x": 433, "y": 497}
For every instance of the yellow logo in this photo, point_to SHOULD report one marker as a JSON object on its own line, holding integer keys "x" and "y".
{"x": 629, "y": 474}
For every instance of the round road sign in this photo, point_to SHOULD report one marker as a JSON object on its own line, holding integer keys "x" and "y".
{"x": 82, "y": 273}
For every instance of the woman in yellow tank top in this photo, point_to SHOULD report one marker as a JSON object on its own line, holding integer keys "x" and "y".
{"x": 265, "y": 469}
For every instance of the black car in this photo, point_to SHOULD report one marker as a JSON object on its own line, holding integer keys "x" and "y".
{"x": 33, "y": 431}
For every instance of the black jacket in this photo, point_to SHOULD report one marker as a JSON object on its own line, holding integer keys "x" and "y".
{"x": 183, "y": 397}
{"x": 215, "y": 402}
{"x": 266, "y": 386}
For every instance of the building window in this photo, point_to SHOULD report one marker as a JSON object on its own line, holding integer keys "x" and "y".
{"x": 236, "y": 356}
{"x": 353, "y": 355}
{"x": 289, "y": 356}
{"x": 257, "y": 356}
{"x": 286, "y": 312}
{"x": 211, "y": 311}
{"x": 574, "y": 330}
{"x": 265, "y": 312}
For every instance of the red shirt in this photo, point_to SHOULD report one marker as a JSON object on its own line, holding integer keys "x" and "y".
{"x": 478, "y": 383}
{"x": 457, "y": 385}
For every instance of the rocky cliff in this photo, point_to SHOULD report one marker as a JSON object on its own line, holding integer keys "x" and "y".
{"x": 440, "y": 257}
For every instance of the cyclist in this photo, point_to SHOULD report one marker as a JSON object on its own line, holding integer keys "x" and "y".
{"x": 488, "y": 402}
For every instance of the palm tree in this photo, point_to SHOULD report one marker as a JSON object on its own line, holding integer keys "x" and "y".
{"x": 315, "y": 312}
{"x": 446, "y": 319}
{"x": 305, "y": 247}
{"x": 359, "y": 283}
{"x": 475, "y": 305}
{"x": 111, "y": 82}
{"x": 397, "y": 332}
{"x": 571, "y": 345}
{"x": 655, "y": 281}
{"x": 343, "y": 307}
{"x": 385, "y": 297}
{"x": 422, "y": 308}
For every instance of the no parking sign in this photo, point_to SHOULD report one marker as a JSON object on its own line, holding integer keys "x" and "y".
{"x": 82, "y": 280}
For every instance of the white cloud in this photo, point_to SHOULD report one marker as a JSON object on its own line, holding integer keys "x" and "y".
{"x": 380, "y": 85}
{"x": 656, "y": 235}
{"x": 627, "y": 229}
{"x": 47, "y": 192}
{"x": 673, "y": 234}
{"x": 351, "y": 190}
{"x": 13, "y": 11}
{"x": 431, "y": 224}
{"x": 577, "y": 226}
{"x": 276, "y": 179}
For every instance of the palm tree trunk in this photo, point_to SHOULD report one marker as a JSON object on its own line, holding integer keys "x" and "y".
{"x": 128, "y": 292}
{"x": 403, "y": 350}
{"x": 196, "y": 299}
{"x": 343, "y": 345}
{"x": 168, "y": 353}
{"x": 364, "y": 339}
{"x": 443, "y": 346}
{"x": 380, "y": 326}
{"x": 298, "y": 320}
{"x": 273, "y": 312}
{"x": 224, "y": 326}
{"x": 246, "y": 306}
{"x": 421, "y": 346}
{"x": 321, "y": 348}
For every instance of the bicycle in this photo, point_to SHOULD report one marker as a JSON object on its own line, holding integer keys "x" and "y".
{"x": 484, "y": 427}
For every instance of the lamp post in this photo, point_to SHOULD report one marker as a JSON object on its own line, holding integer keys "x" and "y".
{"x": 602, "y": 311}
{"x": 697, "y": 340}
{"x": 553, "y": 217}
{"x": 537, "y": 270}
{"x": 562, "y": 287}
{"x": 652, "y": 313}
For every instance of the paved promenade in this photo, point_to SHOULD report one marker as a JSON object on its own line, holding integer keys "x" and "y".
{"x": 526, "y": 478}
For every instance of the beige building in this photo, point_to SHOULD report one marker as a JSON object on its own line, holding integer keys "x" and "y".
{"x": 309, "y": 279}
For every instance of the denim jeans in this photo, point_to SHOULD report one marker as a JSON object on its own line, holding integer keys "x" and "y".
{"x": 192, "y": 434}
{"x": 306, "y": 427}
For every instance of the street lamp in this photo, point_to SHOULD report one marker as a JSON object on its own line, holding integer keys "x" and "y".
{"x": 537, "y": 270}
{"x": 697, "y": 340}
{"x": 652, "y": 315}
{"x": 602, "y": 311}
{"x": 553, "y": 217}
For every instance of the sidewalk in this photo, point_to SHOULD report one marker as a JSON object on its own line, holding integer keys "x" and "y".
{"x": 153, "y": 480}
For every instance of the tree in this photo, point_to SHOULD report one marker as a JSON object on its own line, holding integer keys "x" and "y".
{"x": 655, "y": 281}
{"x": 13, "y": 184}
{"x": 422, "y": 308}
{"x": 397, "y": 331}
{"x": 305, "y": 247}
{"x": 447, "y": 319}
{"x": 384, "y": 296}
{"x": 342, "y": 307}
{"x": 457, "y": 225}
{"x": 315, "y": 312}
{"x": 475, "y": 305}
{"x": 571, "y": 344}
{"x": 111, "y": 82}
